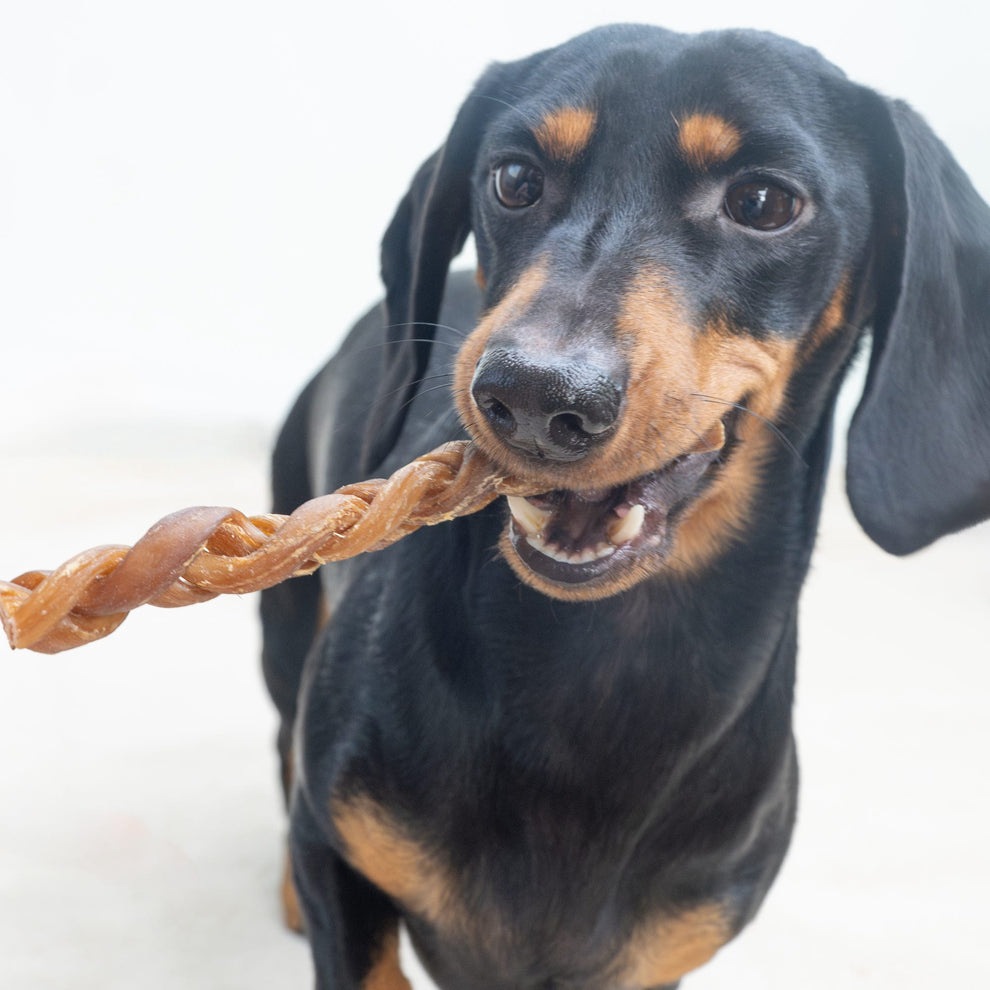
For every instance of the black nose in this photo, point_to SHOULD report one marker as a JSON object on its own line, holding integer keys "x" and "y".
{"x": 559, "y": 411}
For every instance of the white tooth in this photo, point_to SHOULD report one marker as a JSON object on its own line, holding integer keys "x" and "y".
{"x": 584, "y": 557}
{"x": 628, "y": 528}
{"x": 530, "y": 519}
{"x": 536, "y": 542}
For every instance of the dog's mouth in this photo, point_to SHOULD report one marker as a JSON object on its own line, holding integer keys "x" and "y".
{"x": 593, "y": 542}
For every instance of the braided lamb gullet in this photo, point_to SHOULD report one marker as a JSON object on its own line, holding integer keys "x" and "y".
{"x": 198, "y": 553}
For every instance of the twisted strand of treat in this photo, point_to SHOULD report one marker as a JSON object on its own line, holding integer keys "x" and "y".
{"x": 196, "y": 554}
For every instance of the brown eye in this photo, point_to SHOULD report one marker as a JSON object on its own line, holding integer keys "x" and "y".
{"x": 517, "y": 184}
{"x": 761, "y": 205}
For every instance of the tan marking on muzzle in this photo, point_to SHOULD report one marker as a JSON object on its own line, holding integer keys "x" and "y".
{"x": 683, "y": 380}
{"x": 510, "y": 309}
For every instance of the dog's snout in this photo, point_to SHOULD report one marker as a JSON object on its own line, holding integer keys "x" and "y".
{"x": 554, "y": 410}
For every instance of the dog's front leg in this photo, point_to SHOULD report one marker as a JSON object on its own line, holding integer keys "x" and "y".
{"x": 353, "y": 928}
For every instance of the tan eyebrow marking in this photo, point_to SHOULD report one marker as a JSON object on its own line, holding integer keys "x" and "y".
{"x": 563, "y": 134}
{"x": 705, "y": 139}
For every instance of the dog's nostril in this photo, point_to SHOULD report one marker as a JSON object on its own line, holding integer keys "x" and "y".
{"x": 498, "y": 412}
{"x": 568, "y": 436}
{"x": 569, "y": 424}
{"x": 594, "y": 410}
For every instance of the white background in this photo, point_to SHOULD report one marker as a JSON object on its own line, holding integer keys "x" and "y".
{"x": 191, "y": 198}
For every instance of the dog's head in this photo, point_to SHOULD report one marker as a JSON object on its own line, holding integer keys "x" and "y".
{"x": 680, "y": 239}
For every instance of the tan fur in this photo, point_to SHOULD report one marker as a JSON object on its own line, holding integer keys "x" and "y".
{"x": 685, "y": 379}
{"x": 833, "y": 319}
{"x": 291, "y": 911}
{"x": 386, "y": 973}
{"x": 565, "y": 133}
{"x": 705, "y": 139}
{"x": 666, "y": 950}
{"x": 377, "y": 847}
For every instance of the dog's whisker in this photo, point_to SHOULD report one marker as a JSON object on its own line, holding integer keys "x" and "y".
{"x": 381, "y": 344}
{"x": 427, "y": 323}
{"x": 509, "y": 106}
{"x": 412, "y": 398}
{"x": 769, "y": 424}
{"x": 700, "y": 437}
{"x": 433, "y": 388}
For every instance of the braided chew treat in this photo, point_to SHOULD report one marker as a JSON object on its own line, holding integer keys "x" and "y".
{"x": 196, "y": 554}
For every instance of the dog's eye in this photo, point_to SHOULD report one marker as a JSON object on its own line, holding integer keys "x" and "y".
{"x": 761, "y": 205}
{"x": 517, "y": 184}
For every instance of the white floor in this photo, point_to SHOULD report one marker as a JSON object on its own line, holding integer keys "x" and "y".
{"x": 140, "y": 831}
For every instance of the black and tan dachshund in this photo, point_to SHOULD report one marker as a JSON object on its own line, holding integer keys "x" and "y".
{"x": 554, "y": 739}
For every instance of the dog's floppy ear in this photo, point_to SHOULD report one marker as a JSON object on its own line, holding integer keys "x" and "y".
{"x": 428, "y": 230}
{"x": 919, "y": 445}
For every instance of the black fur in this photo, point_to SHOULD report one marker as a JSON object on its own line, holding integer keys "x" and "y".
{"x": 578, "y": 769}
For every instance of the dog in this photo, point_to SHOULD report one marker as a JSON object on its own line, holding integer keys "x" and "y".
{"x": 554, "y": 739}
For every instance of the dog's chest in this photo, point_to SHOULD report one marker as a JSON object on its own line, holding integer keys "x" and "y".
{"x": 563, "y": 923}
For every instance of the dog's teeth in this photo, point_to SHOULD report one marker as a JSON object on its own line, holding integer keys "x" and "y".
{"x": 592, "y": 553}
{"x": 628, "y": 527}
{"x": 529, "y": 518}
{"x": 584, "y": 557}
